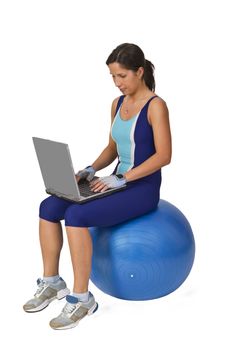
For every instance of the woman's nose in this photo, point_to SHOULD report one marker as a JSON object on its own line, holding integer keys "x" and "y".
{"x": 118, "y": 82}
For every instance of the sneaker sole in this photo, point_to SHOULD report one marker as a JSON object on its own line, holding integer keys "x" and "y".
{"x": 72, "y": 325}
{"x": 60, "y": 295}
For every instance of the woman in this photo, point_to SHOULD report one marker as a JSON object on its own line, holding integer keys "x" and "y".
{"x": 140, "y": 138}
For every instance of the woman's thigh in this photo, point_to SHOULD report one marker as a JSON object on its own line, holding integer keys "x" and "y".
{"x": 127, "y": 204}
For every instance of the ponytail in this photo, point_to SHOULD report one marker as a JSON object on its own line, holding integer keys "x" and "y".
{"x": 149, "y": 75}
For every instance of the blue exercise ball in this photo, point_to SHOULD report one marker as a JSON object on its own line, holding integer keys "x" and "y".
{"x": 144, "y": 258}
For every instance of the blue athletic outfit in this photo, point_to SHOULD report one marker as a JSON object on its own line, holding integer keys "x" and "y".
{"x": 135, "y": 143}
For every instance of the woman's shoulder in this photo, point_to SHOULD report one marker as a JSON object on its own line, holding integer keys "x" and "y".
{"x": 157, "y": 107}
{"x": 157, "y": 103}
{"x": 114, "y": 104}
{"x": 157, "y": 100}
{"x": 116, "y": 100}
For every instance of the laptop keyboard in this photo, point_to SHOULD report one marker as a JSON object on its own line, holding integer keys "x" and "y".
{"x": 84, "y": 188}
{"x": 85, "y": 191}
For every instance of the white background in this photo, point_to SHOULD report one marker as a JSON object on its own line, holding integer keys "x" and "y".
{"x": 55, "y": 84}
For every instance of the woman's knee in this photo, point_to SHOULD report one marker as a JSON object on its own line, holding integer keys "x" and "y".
{"x": 76, "y": 216}
{"x": 53, "y": 209}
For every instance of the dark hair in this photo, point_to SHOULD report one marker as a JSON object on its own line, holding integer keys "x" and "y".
{"x": 132, "y": 57}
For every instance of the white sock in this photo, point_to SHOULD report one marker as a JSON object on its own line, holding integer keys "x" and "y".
{"x": 83, "y": 297}
{"x": 51, "y": 279}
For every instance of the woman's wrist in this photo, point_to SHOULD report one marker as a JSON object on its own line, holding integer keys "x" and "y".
{"x": 125, "y": 177}
{"x": 122, "y": 176}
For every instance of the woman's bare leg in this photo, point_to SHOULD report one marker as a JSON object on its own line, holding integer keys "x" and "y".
{"x": 51, "y": 241}
{"x": 80, "y": 243}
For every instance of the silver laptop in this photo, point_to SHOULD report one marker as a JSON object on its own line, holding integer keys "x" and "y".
{"x": 58, "y": 173}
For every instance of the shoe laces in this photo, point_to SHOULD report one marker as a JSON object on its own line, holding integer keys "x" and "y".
{"x": 41, "y": 286}
{"x": 69, "y": 308}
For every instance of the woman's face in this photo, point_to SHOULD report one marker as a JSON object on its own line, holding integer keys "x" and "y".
{"x": 125, "y": 79}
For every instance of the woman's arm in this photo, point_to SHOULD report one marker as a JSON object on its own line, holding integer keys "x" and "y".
{"x": 158, "y": 116}
{"x": 109, "y": 154}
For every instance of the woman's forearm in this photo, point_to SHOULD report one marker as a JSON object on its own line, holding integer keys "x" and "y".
{"x": 105, "y": 158}
{"x": 148, "y": 167}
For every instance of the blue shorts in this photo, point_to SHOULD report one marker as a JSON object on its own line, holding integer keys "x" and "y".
{"x": 137, "y": 199}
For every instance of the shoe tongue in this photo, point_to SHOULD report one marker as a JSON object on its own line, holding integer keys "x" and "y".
{"x": 71, "y": 299}
{"x": 39, "y": 281}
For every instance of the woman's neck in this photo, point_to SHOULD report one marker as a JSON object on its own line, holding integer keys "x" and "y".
{"x": 140, "y": 94}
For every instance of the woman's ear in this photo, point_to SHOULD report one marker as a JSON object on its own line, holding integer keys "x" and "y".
{"x": 140, "y": 72}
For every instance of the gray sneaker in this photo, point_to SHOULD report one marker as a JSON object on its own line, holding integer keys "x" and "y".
{"x": 46, "y": 293}
{"x": 73, "y": 312}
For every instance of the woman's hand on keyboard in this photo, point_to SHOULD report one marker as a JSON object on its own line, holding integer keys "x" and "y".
{"x": 87, "y": 173}
{"x": 104, "y": 183}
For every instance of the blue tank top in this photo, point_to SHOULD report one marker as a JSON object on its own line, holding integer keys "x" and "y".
{"x": 135, "y": 142}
